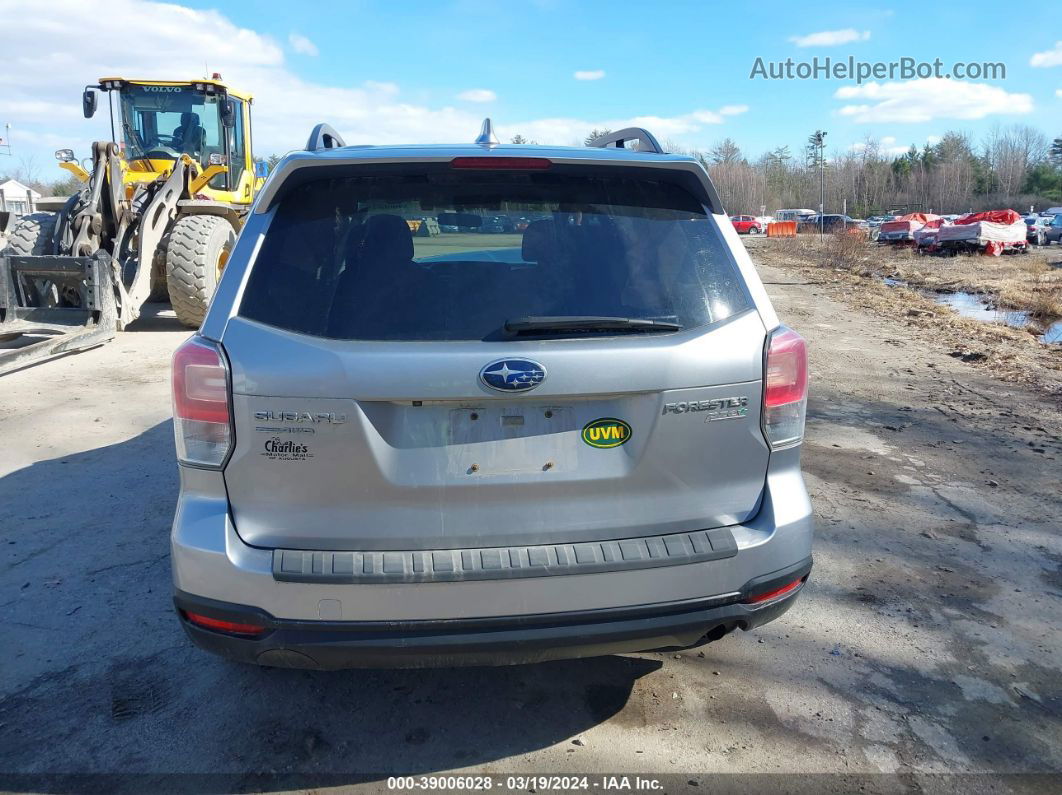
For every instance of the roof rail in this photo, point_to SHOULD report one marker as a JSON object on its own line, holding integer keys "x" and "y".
{"x": 324, "y": 137}
{"x": 646, "y": 141}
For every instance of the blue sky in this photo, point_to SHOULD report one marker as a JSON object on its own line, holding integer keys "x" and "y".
{"x": 399, "y": 72}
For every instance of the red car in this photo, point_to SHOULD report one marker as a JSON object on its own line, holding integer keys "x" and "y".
{"x": 746, "y": 225}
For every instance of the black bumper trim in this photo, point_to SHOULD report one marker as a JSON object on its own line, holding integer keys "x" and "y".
{"x": 497, "y": 640}
{"x": 502, "y": 563}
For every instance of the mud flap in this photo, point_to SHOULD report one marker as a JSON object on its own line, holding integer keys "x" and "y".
{"x": 52, "y": 305}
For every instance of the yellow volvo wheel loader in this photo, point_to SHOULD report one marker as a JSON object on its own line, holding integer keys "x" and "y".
{"x": 158, "y": 213}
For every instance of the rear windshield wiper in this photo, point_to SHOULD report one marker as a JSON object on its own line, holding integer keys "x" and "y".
{"x": 586, "y": 323}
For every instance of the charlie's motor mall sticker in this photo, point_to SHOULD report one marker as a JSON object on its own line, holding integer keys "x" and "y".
{"x": 606, "y": 432}
{"x": 286, "y": 450}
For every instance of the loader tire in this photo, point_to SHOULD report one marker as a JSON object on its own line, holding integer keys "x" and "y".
{"x": 32, "y": 235}
{"x": 160, "y": 290}
{"x": 197, "y": 252}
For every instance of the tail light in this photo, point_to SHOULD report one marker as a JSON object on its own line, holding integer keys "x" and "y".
{"x": 785, "y": 388}
{"x": 202, "y": 425}
{"x": 775, "y": 593}
{"x": 228, "y": 627}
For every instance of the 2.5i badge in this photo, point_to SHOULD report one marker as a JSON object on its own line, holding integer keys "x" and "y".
{"x": 606, "y": 432}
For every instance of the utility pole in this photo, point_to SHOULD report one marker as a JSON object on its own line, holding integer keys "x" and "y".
{"x": 818, "y": 140}
{"x": 5, "y": 140}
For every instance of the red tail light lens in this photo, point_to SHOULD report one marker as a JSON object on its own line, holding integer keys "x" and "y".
{"x": 231, "y": 627}
{"x": 201, "y": 423}
{"x": 502, "y": 163}
{"x": 785, "y": 388}
{"x": 776, "y": 593}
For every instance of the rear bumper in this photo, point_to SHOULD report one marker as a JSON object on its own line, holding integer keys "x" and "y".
{"x": 500, "y": 640}
{"x": 339, "y": 623}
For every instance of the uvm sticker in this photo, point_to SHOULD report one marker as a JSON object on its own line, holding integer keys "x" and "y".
{"x": 606, "y": 432}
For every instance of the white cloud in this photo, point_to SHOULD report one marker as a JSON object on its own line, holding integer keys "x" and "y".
{"x": 41, "y": 99}
{"x": 733, "y": 110}
{"x": 301, "y": 44}
{"x": 830, "y": 38}
{"x": 887, "y": 145}
{"x": 381, "y": 88}
{"x": 1058, "y": 93}
{"x": 477, "y": 95}
{"x": 927, "y": 99}
{"x": 592, "y": 74}
{"x": 1051, "y": 57}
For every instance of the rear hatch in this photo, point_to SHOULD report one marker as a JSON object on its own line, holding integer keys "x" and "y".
{"x": 588, "y": 368}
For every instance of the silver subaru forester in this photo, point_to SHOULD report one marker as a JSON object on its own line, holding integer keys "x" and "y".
{"x": 486, "y": 404}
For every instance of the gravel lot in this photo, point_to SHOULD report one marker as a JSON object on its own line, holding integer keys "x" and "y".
{"x": 928, "y": 640}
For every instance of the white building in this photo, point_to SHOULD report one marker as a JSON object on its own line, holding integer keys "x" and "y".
{"x": 16, "y": 198}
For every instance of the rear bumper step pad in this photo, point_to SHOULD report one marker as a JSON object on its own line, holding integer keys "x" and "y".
{"x": 502, "y": 563}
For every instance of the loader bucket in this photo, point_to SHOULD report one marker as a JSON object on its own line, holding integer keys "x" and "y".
{"x": 52, "y": 305}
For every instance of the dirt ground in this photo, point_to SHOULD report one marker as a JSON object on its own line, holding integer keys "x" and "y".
{"x": 853, "y": 273}
{"x": 926, "y": 645}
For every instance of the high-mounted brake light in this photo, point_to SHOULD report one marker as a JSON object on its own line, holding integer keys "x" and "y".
{"x": 785, "y": 394}
{"x": 502, "y": 163}
{"x": 231, "y": 627}
{"x": 202, "y": 425}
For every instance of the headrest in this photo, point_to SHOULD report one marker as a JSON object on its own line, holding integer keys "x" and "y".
{"x": 387, "y": 238}
{"x": 540, "y": 241}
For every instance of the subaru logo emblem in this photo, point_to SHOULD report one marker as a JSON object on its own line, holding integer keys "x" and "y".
{"x": 512, "y": 375}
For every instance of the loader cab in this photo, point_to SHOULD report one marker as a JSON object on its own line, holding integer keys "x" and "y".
{"x": 158, "y": 122}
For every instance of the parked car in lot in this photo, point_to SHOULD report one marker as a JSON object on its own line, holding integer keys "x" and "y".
{"x": 793, "y": 214}
{"x": 831, "y": 222}
{"x": 746, "y": 224}
{"x": 1054, "y": 230}
{"x": 874, "y": 223}
{"x": 396, "y": 453}
{"x": 497, "y": 224}
{"x": 1037, "y": 226}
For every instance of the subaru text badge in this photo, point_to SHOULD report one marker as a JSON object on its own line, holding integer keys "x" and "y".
{"x": 512, "y": 375}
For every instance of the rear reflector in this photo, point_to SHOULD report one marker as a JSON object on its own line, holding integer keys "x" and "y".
{"x": 502, "y": 163}
{"x": 201, "y": 422}
{"x": 776, "y": 593}
{"x": 231, "y": 627}
{"x": 785, "y": 388}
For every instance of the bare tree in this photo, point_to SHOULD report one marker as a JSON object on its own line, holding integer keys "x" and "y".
{"x": 725, "y": 152}
{"x": 1014, "y": 170}
{"x": 1012, "y": 152}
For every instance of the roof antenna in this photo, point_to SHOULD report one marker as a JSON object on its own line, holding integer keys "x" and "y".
{"x": 486, "y": 135}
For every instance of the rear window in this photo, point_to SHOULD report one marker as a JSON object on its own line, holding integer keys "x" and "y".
{"x": 442, "y": 254}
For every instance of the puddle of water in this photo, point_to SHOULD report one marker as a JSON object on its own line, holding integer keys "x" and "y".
{"x": 972, "y": 306}
{"x": 969, "y": 305}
